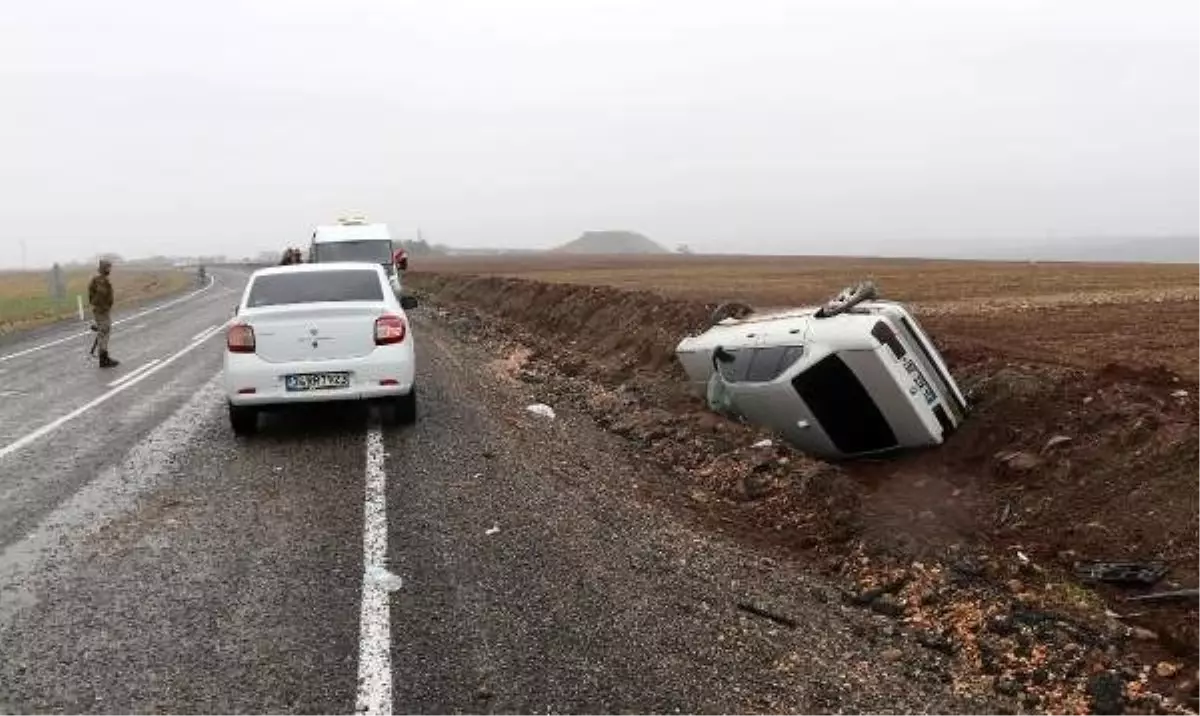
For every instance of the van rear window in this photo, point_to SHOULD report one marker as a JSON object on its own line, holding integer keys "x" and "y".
{"x": 371, "y": 250}
{"x": 315, "y": 286}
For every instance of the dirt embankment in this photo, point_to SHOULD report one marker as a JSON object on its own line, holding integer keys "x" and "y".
{"x": 969, "y": 546}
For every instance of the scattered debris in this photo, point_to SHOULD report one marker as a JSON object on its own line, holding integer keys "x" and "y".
{"x": 1121, "y": 572}
{"x": 762, "y": 444}
{"x": 766, "y": 614}
{"x": 1179, "y": 393}
{"x": 384, "y": 579}
{"x": 492, "y": 530}
{"x": 1056, "y": 441}
{"x": 541, "y": 410}
{"x": 1166, "y": 669}
{"x": 1143, "y": 634}
{"x": 865, "y": 598}
{"x": 934, "y": 640}
{"x": 1107, "y": 692}
{"x": 1192, "y": 593}
{"x": 888, "y": 605}
{"x": 1018, "y": 460}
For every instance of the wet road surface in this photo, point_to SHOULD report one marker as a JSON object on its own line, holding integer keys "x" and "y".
{"x": 482, "y": 560}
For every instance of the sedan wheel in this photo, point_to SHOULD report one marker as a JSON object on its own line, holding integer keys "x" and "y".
{"x": 406, "y": 407}
{"x": 243, "y": 420}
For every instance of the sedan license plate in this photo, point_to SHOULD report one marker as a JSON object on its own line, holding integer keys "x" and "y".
{"x": 317, "y": 381}
{"x": 920, "y": 384}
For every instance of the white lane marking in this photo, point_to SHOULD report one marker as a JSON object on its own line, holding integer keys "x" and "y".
{"x": 31, "y": 565}
{"x": 375, "y": 629}
{"x": 59, "y": 422}
{"x": 135, "y": 316}
{"x": 205, "y": 331}
{"x": 133, "y": 373}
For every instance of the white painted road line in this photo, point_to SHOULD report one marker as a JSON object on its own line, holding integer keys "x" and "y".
{"x": 59, "y": 422}
{"x": 134, "y": 373}
{"x": 135, "y": 316}
{"x": 375, "y": 629}
{"x": 206, "y": 331}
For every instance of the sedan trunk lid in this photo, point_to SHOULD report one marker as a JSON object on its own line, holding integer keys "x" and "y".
{"x": 315, "y": 332}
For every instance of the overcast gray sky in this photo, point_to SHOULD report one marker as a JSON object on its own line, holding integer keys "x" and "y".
{"x": 788, "y": 126}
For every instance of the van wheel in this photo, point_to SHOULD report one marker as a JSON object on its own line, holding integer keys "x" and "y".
{"x": 850, "y": 297}
{"x": 405, "y": 408}
{"x": 243, "y": 420}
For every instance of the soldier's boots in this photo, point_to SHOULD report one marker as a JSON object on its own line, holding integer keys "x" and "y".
{"x": 107, "y": 362}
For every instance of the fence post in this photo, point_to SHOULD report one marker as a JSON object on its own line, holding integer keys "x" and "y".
{"x": 79, "y": 304}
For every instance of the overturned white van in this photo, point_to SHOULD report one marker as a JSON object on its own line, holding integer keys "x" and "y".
{"x": 854, "y": 377}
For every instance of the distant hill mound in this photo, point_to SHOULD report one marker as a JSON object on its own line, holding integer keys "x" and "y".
{"x": 611, "y": 242}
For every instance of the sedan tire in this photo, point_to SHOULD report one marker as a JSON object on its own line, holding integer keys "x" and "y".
{"x": 405, "y": 408}
{"x": 243, "y": 420}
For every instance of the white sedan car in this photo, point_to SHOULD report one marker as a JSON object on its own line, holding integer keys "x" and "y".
{"x": 310, "y": 333}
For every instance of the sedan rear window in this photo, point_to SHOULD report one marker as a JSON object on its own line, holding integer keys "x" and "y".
{"x": 315, "y": 286}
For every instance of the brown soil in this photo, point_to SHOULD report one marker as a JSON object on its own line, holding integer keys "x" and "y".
{"x": 1115, "y": 378}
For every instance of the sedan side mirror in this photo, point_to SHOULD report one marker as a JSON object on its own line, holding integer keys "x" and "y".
{"x": 408, "y": 303}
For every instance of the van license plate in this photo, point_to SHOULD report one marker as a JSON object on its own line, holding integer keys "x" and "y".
{"x": 317, "y": 381}
{"x": 920, "y": 384}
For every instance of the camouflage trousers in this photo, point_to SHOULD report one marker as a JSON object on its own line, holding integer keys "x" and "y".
{"x": 103, "y": 321}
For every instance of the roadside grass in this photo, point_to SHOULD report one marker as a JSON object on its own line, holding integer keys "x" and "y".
{"x": 26, "y": 301}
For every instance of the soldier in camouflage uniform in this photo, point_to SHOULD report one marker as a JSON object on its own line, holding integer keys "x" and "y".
{"x": 100, "y": 296}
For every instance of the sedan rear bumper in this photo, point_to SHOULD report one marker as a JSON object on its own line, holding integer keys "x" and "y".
{"x": 387, "y": 373}
{"x": 284, "y": 397}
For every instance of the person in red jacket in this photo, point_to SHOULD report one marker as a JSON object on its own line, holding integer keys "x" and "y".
{"x": 400, "y": 259}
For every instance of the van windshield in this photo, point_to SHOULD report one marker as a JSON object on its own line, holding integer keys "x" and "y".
{"x": 375, "y": 251}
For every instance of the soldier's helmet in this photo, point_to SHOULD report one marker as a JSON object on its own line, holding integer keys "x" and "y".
{"x": 105, "y": 265}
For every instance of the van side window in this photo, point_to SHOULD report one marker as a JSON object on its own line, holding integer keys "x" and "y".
{"x": 734, "y": 371}
{"x": 769, "y": 362}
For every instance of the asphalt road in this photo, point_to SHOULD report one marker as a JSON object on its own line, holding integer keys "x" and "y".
{"x": 483, "y": 560}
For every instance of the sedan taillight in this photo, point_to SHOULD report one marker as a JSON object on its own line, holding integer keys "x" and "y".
{"x": 240, "y": 338}
{"x": 389, "y": 330}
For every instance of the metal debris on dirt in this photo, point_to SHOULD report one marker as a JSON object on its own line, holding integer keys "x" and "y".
{"x": 492, "y": 530}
